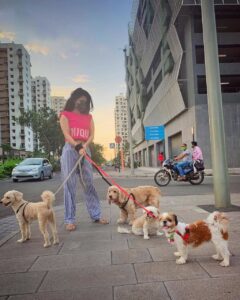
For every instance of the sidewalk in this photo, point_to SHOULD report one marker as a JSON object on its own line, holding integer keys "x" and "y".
{"x": 96, "y": 262}
{"x": 150, "y": 171}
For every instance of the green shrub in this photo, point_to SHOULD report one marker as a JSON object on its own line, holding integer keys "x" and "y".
{"x": 56, "y": 164}
{"x": 7, "y": 166}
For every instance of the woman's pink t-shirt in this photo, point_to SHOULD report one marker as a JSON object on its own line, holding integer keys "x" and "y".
{"x": 79, "y": 124}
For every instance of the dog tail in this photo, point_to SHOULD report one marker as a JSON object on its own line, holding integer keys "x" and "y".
{"x": 123, "y": 230}
{"x": 48, "y": 197}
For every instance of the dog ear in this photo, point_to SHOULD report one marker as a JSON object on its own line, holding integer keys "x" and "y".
{"x": 18, "y": 195}
{"x": 121, "y": 196}
{"x": 175, "y": 219}
{"x": 108, "y": 198}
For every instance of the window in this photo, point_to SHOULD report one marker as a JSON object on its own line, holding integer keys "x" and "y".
{"x": 148, "y": 19}
{"x": 226, "y": 54}
{"x": 157, "y": 58}
{"x": 157, "y": 81}
{"x": 229, "y": 84}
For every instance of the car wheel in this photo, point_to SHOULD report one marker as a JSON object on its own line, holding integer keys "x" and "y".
{"x": 41, "y": 176}
{"x": 51, "y": 175}
{"x": 15, "y": 180}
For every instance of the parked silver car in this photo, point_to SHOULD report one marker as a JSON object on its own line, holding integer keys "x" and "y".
{"x": 35, "y": 168}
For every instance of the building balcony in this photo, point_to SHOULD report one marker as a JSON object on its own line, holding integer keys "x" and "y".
{"x": 19, "y": 52}
{"x": 20, "y": 93}
{"x": 20, "y": 66}
{"x": 20, "y": 79}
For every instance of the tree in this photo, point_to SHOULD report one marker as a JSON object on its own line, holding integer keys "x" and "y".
{"x": 97, "y": 153}
{"x": 46, "y": 127}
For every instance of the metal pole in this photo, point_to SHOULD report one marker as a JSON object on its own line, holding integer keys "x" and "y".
{"x": 130, "y": 138}
{"x": 129, "y": 122}
{"x": 215, "y": 110}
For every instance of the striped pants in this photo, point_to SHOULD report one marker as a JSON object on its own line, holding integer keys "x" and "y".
{"x": 68, "y": 160}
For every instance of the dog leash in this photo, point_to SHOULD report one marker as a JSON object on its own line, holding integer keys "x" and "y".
{"x": 130, "y": 196}
{"x": 69, "y": 175}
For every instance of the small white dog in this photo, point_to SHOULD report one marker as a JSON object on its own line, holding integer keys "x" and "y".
{"x": 214, "y": 228}
{"x": 27, "y": 211}
{"x": 145, "y": 225}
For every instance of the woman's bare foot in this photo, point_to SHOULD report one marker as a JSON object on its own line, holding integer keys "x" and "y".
{"x": 70, "y": 227}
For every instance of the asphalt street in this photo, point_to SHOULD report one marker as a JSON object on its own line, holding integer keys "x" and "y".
{"x": 33, "y": 189}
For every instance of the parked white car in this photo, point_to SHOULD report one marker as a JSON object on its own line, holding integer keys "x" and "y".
{"x": 35, "y": 168}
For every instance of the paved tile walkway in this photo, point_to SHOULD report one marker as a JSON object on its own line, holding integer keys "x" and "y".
{"x": 96, "y": 262}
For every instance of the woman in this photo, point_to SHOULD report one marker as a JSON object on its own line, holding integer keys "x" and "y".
{"x": 78, "y": 129}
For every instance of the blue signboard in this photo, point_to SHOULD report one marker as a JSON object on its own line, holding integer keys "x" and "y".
{"x": 154, "y": 133}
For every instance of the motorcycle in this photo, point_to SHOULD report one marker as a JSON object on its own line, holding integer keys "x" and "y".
{"x": 194, "y": 173}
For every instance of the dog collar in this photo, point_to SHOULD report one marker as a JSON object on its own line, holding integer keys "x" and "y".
{"x": 125, "y": 203}
{"x": 186, "y": 234}
{"x": 23, "y": 204}
{"x": 170, "y": 238}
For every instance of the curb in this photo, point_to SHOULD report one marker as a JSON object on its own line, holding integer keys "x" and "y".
{"x": 8, "y": 237}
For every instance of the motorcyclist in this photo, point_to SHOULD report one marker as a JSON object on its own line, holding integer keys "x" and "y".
{"x": 185, "y": 158}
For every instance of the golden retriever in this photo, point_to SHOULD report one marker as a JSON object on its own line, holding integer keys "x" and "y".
{"x": 145, "y": 195}
{"x": 146, "y": 224}
{"x": 27, "y": 211}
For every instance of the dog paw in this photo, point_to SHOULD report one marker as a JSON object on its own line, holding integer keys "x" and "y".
{"x": 180, "y": 261}
{"x": 216, "y": 257}
{"x": 224, "y": 264}
{"x": 120, "y": 221}
{"x": 56, "y": 242}
{"x": 21, "y": 241}
{"x": 146, "y": 237}
{"x": 177, "y": 254}
{"x": 46, "y": 245}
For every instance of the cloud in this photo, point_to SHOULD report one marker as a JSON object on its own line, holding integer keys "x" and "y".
{"x": 123, "y": 86}
{"x": 7, "y": 35}
{"x": 81, "y": 78}
{"x": 63, "y": 91}
{"x": 63, "y": 55}
{"x": 37, "y": 48}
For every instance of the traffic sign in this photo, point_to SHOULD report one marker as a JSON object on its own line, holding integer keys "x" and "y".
{"x": 112, "y": 145}
{"x": 154, "y": 133}
{"x": 118, "y": 139}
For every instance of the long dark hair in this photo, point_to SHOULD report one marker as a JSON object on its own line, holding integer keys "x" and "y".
{"x": 76, "y": 94}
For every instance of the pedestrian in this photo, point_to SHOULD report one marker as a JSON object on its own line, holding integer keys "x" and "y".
{"x": 185, "y": 158}
{"x": 161, "y": 158}
{"x": 78, "y": 129}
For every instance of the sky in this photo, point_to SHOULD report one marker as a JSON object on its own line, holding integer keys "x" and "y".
{"x": 74, "y": 43}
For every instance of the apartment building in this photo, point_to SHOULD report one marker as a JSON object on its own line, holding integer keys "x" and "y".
{"x": 165, "y": 75}
{"x": 58, "y": 103}
{"x": 41, "y": 93}
{"x": 15, "y": 95}
{"x": 121, "y": 120}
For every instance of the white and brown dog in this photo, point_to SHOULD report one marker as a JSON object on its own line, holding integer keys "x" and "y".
{"x": 144, "y": 195}
{"x": 214, "y": 228}
{"x": 27, "y": 211}
{"x": 147, "y": 224}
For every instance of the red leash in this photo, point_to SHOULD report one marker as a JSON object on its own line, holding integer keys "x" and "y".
{"x": 120, "y": 188}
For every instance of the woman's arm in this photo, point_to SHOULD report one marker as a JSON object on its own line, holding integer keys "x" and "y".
{"x": 66, "y": 132}
{"x": 91, "y": 134}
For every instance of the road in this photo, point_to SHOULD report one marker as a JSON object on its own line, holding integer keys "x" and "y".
{"x": 33, "y": 189}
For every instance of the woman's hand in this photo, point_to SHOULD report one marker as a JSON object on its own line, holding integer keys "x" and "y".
{"x": 83, "y": 150}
